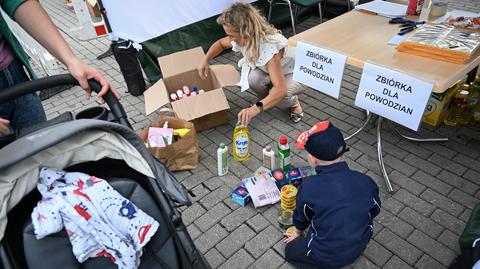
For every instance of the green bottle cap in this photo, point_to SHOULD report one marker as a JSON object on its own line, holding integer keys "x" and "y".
{"x": 222, "y": 145}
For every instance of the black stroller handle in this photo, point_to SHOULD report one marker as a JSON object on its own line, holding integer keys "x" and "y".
{"x": 65, "y": 79}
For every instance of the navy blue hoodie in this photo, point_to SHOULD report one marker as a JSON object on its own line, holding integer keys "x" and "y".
{"x": 339, "y": 205}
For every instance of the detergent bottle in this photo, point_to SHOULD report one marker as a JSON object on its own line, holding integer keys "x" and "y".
{"x": 241, "y": 143}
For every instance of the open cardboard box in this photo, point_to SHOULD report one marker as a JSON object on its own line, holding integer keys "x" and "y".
{"x": 206, "y": 110}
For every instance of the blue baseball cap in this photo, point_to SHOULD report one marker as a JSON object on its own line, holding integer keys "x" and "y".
{"x": 323, "y": 141}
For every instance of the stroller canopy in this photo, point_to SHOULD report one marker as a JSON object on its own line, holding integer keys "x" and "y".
{"x": 71, "y": 143}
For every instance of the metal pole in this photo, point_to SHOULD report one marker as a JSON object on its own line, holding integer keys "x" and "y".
{"x": 380, "y": 154}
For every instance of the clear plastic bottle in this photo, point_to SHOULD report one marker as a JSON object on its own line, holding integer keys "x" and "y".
{"x": 458, "y": 113}
{"x": 241, "y": 143}
{"x": 284, "y": 154}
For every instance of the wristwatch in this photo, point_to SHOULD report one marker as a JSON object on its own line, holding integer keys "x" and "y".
{"x": 259, "y": 105}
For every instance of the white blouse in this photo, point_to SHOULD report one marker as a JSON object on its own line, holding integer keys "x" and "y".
{"x": 269, "y": 46}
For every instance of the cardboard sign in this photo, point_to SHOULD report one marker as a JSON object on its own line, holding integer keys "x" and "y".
{"x": 393, "y": 95}
{"x": 319, "y": 68}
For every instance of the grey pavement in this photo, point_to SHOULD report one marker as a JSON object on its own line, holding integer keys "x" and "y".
{"x": 435, "y": 186}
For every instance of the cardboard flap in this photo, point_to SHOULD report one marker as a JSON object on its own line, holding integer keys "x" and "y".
{"x": 198, "y": 106}
{"x": 181, "y": 61}
{"x": 155, "y": 97}
{"x": 225, "y": 74}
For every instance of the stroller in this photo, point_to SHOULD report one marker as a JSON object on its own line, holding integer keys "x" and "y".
{"x": 101, "y": 148}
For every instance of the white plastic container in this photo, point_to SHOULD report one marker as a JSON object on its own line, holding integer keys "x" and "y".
{"x": 222, "y": 160}
{"x": 269, "y": 158}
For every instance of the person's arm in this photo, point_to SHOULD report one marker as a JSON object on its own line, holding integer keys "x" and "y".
{"x": 32, "y": 18}
{"x": 218, "y": 47}
{"x": 4, "y": 130}
{"x": 275, "y": 95}
{"x": 299, "y": 219}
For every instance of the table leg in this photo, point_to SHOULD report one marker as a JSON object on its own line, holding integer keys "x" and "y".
{"x": 380, "y": 154}
{"x": 367, "y": 120}
{"x": 416, "y": 139}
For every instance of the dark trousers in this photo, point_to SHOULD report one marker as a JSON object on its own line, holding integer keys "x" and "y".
{"x": 296, "y": 254}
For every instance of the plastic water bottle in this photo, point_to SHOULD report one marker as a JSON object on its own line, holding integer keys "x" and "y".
{"x": 222, "y": 160}
{"x": 269, "y": 158}
{"x": 284, "y": 154}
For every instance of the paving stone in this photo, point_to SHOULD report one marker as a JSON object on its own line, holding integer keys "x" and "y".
{"x": 399, "y": 165}
{"x": 432, "y": 182}
{"x": 439, "y": 149}
{"x": 258, "y": 223}
{"x": 212, "y": 216}
{"x": 240, "y": 260}
{"x": 199, "y": 191}
{"x": 450, "y": 240}
{"x": 472, "y": 175}
{"x": 197, "y": 179}
{"x": 366, "y": 148}
{"x": 396, "y": 263}
{"x": 463, "y": 198}
{"x": 263, "y": 241}
{"x": 465, "y": 216}
{"x": 448, "y": 221}
{"x": 401, "y": 248}
{"x": 420, "y": 222}
{"x": 442, "y": 202}
{"x": 192, "y": 213}
{"x": 447, "y": 164}
{"x": 286, "y": 266}
{"x": 415, "y": 149}
{"x": 434, "y": 249}
{"x": 268, "y": 260}
{"x": 422, "y": 164}
{"x": 468, "y": 162}
{"x": 377, "y": 253}
{"x": 414, "y": 202}
{"x": 210, "y": 238}
{"x": 395, "y": 224}
{"x": 235, "y": 240}
{"x": 427, "y": 262}
{"x": 193, "y": 231}
{"x": 363, "y": 263}
{"x": 237, "y": 217}
{"x": 371, "y": 164}
{"x": 214, "y": 197}
{"x": 214, "y": 183}
{"x": 406, "y": 182}
{"x": 458, "y": 182}
{"x": 392, "y": 205}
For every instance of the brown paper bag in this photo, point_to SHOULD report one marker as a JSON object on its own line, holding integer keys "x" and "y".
{"x": 180, "y": 155}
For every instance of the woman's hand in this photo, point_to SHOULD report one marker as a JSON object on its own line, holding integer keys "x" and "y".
{"x": 83, "y": 72}
{"x": 247, "y": 114}
{"x": 291, "y": 235}
{"x": 4, "y": 130}
{"x": 203, "y": 69}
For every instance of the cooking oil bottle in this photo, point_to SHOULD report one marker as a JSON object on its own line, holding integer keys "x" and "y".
{"x": 458, "y": 112}
{"x": 475, "y": 87}
{"x": 241, "y": 143}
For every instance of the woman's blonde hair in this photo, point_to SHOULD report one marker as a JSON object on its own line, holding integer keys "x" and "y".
{"x": 252, "y": 26}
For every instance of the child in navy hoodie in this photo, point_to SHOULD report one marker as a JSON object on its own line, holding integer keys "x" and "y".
{"x": 337, "y": 205}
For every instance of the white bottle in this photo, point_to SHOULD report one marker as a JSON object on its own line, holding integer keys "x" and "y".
{"x": 222, "y": 160}
{"x": 269, "y": 158}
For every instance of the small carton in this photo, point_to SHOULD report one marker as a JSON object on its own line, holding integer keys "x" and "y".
{"x": 280, "y": 178}
{"x": 241, "y": 196}
{"x": 205, "y": 110}
{"x": 294, "y": 177}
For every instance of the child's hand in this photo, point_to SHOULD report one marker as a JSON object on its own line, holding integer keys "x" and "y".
{"x": 203, "y": 69}
{"x": 291, "y": 234}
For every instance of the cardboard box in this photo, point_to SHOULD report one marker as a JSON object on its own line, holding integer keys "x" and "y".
{"x": 294, "y": 177}
{"x": 438, "y": 105}
{"x": 205, "y": 110}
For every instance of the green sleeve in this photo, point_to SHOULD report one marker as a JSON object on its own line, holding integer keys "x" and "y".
{"x": 10, "y": 6}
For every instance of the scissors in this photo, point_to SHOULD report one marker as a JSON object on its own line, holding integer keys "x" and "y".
{"x": 407, "y": 25}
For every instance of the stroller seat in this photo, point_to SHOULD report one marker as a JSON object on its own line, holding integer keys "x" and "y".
{"x": 55, "y": 251}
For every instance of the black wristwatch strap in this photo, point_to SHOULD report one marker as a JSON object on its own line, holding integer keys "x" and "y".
{"x": 259, "y": 104}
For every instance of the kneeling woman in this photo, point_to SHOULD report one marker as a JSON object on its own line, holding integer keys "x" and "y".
{"x": 267, "y": 66}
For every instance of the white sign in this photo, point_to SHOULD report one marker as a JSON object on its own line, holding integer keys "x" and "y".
{"x": 319, "y": 68}
{"x": 393, "y": 95}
